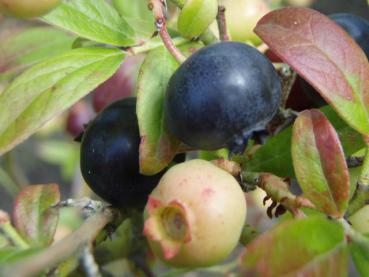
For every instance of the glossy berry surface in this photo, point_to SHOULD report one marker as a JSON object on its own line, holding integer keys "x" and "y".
{"x": 27, "y": 8}
{"x": 220, "y": 95}
{"x": 109, "y": 156}
{"x": 194, "y": 217}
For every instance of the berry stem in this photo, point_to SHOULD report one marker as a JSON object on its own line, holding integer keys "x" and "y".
{"x": 157, "y": 8}
{"x": 222, "y": 24}
{"x": 278, "y": 191}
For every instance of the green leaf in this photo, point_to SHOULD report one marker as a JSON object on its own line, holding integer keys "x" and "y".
{"x": 196, "y": 16}
{"x": 324, "y": 55}
{"x": 360, "y": 220}
{"x": 138, "y": 15}
{"x": 93, "y": 19}
{"x": 24, "y": 48}
{"x": 48, "y": 88}
{"x": 359, "y": 249}
{"x": 319, "y": 163}
{"x": 307, "y": 247}
{"x": 34, "y": 217}
{"x": 157, "y": 147}
{"x": 3, "y": 241}
{"x": 275, "y": 156}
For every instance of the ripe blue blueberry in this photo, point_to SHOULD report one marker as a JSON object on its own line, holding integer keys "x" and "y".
{"x": 109, "y": 156}
{"x": 221, "y": 95}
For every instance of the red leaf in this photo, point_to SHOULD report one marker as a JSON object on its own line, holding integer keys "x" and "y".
{"x": 34, "y": 217}
{"x": 325, "y": 55}
{"x": 320, "y": 163}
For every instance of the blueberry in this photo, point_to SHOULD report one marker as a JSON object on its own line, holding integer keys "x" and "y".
{"x": 220, "y": 95}
{"x": 109, "y": 156}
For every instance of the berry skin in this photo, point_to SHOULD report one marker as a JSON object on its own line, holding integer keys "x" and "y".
{"x": 109, "y": 156}
{"x": 194, "y": 217}
{"x": 220, "y": 95}
{"x": 27, "y": 8}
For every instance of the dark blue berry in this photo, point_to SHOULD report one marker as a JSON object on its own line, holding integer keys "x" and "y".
{"x": 220, "y": 95}
{"x": 110, "y": 157}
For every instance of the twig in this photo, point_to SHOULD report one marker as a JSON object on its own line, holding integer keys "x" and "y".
{"x": 157, "y": 8}
{"x": 278, "y": 190}
{"x": 89, "y": 263}
{"x": 222, "y": 24}
{"x": 61, "y": 250}
{"x": 231, "y": 167}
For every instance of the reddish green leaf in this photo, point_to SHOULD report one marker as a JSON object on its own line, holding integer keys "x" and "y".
{"x": 319, "y": 163}
{"x": 34, "y": 217}
{"x": 325, "y": 55}
{"x": 157, "y": 147}
{"x": 307, "y": 247}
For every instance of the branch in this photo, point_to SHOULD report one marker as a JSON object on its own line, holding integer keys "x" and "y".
{"x": 222, "y": 24}
{"x": 278, "y": 190}
{"x": 157, "y": 8}
{"x": 231, "y": 167}
{"x": 61, "y": 250}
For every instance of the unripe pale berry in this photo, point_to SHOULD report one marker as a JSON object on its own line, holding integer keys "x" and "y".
{"x": 194, "y": 217}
